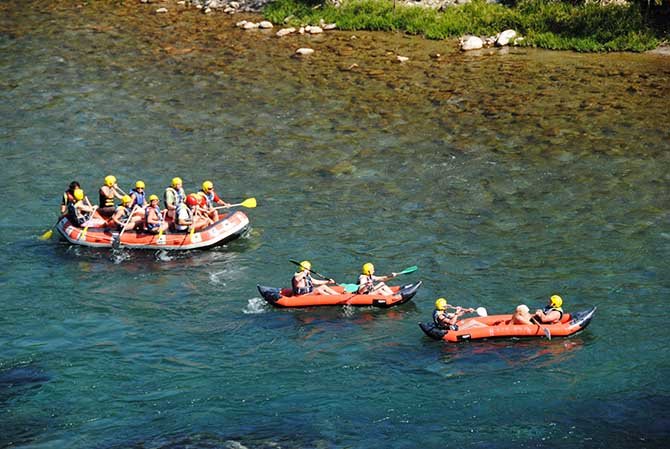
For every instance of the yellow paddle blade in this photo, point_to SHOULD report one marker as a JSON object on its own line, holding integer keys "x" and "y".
{"x": 249, "y": 202}
{"x": 47, "y": 235}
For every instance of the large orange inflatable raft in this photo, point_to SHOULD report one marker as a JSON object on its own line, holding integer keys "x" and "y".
{"x": 497, "y": 327}
{"x": 283, "y": 297}
{"x": 99, "y": 235}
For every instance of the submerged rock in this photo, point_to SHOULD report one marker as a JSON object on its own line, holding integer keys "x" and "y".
{"x": 304, "y": 51}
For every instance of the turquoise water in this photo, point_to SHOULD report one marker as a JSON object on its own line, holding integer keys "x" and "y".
{"x": 504, "y": 177}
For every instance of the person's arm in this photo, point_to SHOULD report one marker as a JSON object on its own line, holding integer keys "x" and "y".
{"x": 116, "y": 192}
{"x": 322, "y": 282}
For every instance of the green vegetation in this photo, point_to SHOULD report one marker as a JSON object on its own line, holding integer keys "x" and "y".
{"x": 543, "y": 23}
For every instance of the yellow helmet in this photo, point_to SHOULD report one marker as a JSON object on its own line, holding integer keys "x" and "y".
{"x": 126, "y": 199}
{"x": 176, "y": 181}
{"x": 153, "y": 197}
{"x": 207, "y": 185}
{"x": 305, "y": 265}
{"x": 556, "y": 301}
{"x": 368, "y": 269}
{"x": 139, "y": 185}
{"x": 441, "y": 304}
{"x": 78, "y": 194}
{"x": 110, "y": 180}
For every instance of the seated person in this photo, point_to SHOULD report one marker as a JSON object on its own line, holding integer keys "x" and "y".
{"x": 173, "y": 196}
{"x": 366, "y": 282}
{"x": 446, "y": 320}
{"x": 138, "y": 196}
{"x": 552, "y": 313}
{"x": 154, "y": 217}
{"x": 108, "y": 192}
{"x": 521, "y": 315}
{"x": 78, "y": 212}
{"x": 302, "y": 282}
{"x": 68, "y": 197}
{"x": 124, "y": 217}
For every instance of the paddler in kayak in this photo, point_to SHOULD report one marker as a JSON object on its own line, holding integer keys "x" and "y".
{"x": 446, "y": 320}
{"x": 367, "y": 279}
{"x": 521, "y": 315}
{"x": 552, "y": 313}
{"x": 303, "y": 283}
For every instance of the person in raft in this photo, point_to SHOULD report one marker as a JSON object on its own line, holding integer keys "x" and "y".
{"x": 303, "y": 283}
{"x": 68, "y": 197}
{"x": 367, "y": 279}
{"x": 189, "y": 217}
{"x": 552, "y": 312}
{"x": 79, "y": 212}
{"x": 521, "y": 315}
{"x": 174, "y": 196}
{"x": 446, "y": 320}
{"x": 211, "y": 200}
{"x": 122, "y": 217}
{"x": 154, "y": 217}
{"x": 108, "y": 192}
{"x": 138, "y": 196}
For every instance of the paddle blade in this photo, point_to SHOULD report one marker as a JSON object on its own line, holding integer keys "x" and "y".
{"x": 47, "y": 235}
{"x": 547, "y": 333}
{"x": 481, "y": 311}
{"x": 249, "y": 202}
{"x": 408, "y": 270}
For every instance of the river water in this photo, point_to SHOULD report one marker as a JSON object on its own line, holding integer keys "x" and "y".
{"x": 506, "y": 176}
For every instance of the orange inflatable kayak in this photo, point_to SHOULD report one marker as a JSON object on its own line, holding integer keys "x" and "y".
{"x": 99, "y": 235}
{"x": 283, "y": 297}
{"x": 497, "y": 327}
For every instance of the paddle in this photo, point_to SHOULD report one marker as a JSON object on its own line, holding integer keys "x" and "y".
{"x": 117, "y": 241}
{"x": 310, "y": 270}
{"x": 249, "y": 202}
{"x": 48, "y": 234}
{"x": 350, "y": 288}
{"x": 82, "y": 236}
{"x": 547, "y": 332}
{"x": 481, "y": 311}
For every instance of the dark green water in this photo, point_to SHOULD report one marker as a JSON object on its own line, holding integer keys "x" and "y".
{"x": 506, "y": 177}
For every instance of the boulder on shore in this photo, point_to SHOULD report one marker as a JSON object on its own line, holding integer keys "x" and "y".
{"x": 471, "y": 43}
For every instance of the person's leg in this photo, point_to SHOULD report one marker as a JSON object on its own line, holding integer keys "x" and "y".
{"x": 325, "y": 290}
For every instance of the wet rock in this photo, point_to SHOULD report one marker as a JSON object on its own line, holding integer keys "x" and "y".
{"x": 505, "y": 37}
{"x": 313, "y": 29}
{"x": 471, "y": 43}
{"x": 304, "y": 51}
{"x": 330, "y": 26}
{"x": 161, "y": 10}
{"x": 250, "y": 26}
{"x": 402, "y": 58}
{"x": 241, "y": 23}
{"x": 265, "y": 24}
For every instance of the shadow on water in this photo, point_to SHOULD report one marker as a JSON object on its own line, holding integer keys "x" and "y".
{"x": 15, "y": 385}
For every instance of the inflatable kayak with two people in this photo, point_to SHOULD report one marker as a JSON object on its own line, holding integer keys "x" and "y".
{"x": 371, "y": 290}
{"x": 549, "y": 321}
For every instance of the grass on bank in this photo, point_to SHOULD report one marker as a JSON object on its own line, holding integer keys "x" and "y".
{"x": 543, "y": 23}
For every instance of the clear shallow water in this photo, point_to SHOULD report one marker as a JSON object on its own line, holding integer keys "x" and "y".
{"x": 505, "y": 177}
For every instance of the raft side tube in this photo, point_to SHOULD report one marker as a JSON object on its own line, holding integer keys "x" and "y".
{"x": 433, "y": 331}
{"x": 583, "y": 318}
{"x": 270, "y": 294}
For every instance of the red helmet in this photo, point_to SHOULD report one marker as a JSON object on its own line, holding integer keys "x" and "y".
{"x": 191, "y": 200}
